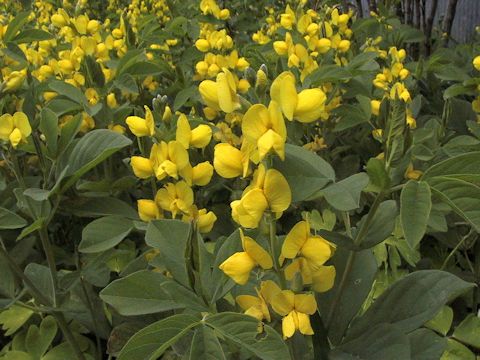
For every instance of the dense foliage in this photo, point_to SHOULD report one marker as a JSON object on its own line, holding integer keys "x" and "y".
{"x": 229, "y": 180}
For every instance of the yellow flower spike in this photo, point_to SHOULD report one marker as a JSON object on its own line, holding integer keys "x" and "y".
{"x": 175, "y": 198}
{"x": 202, "y": 173}
{"x": 266, "y": 129}
{"x": 15, "y": 128}
{"x": 239, "y": 265}
{"x": 295, "y": 309}
{"x": 227, "y": 161}
{"x": 148, "y": 210}
{"x": 142, "y": 167}
{"x": 80, "y": 24}
{"x": 14, "y": 80}
{"x": 476, "y": 63}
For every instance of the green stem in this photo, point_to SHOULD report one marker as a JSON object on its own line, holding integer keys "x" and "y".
{"x": 47, "y": 248}
{"x": 454, "y": 250}
{"x": 41, "y": 157}
{"x": 272, "y": 232}
{"x": 92, "y": 315}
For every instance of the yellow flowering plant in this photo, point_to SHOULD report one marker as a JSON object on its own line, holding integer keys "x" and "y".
{"x": 235, "y": 180}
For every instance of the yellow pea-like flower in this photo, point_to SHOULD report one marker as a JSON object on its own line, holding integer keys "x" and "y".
{"x": 295, "y": 309}
{"x": 476, "y": 63}
{"x": 202, "y": 45}
{"x": 375, "y": 106}
{"x": 15, "y": 128}
{"x": 205, "y": 220}
{"x": 306, "y": 106}
{"x": 265, "y": 128}
{"x": 222, "y": 93}
{"x": 168, "y": 159}
{"x": 257, "y": 306}
{"x": 199, "y": 137}
{"x": 142, "y": 167}
{"x": 148, "y": 210}
{"x": 142, "y": 127}
{"x": 175, "y": 198}
{"x": 239, "y": 265}
{"x": 269, "y": 190}
{"x": 323, "y": 45}
{"x": 202, "y": 173}
{"x": 227, "y": 161}
{"x": 14, "y": 80}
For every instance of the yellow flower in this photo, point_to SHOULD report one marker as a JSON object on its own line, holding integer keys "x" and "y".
{"x": 142, "y": 167}
{"x": 175, "y": 198}
{"x": 265, "y": 128}
{"x": 203, "y": 218}
{"x": 375, "y": 106}
{"x": 111, "y": 101}
{"x": 295, "y": 309}
{"x": 306, "y": 106}
{"x": 168, "y": 159}
{"x": 142, "y": 127}
{"x": 312, "y": 253}
{"x": 476, "y": 63}
{"x": 257, "y": 306}
{"x": 268, "y": 190}
{"x": 14, "y": 80}
{"x": 323, "y": 45}
{"x": 199, "y": 137}
{"x": 14, "y": 128}
{"x": 227, "y": 161}
{"x": 239, "y": 265}
{"x": 148, "y": 210}
{"x": 202, "y": 45}
{"x": 220, "y": 94}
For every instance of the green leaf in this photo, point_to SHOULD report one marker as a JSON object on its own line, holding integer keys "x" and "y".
{"x": 30, "y": 35}
{"x": 10, "y": 220}
{"x": 37, "y": 194}
{"x": 183, "y": 96}
{"x": 383, "y": 341}
{"x": 244, "y": 331}
{"x": 457, "y": 351}
{"x": 38, "y": 340}
{"x": 457, "y": 166}
{"x": 329, "y": 73}
{"x": 379, "y": 179}
{"x": 468, "y": 331}
{"x": 15, "y": 25}
{"x": 138, "y": 294}
{"x": 306, "y": 172}
{"x": 426, "y": 345}
{"x": 152, "y": 341}
{"x": 104, "y": 206}
{"x": 415, "y": 206}
{"x": 358, "y": 283}
{"x": 462, "y": 196}
{"x": 442, "y": 322}
{"x": 205, "y": 345}
{"x": 394, "y": 132}
{"x": 104, "y": 233}
{"x": 411, "y": 301}
{"x": 36, "y": 225}
{"x": 69, "y": 91}
{"x": 382, "y": 224}
{"x": 91, "y": 150}
{"x": 13, "y": 51}
{"x": 13, "y": 318}
{"x": 142, "y": 68}
{"x": 60, "y": 352}
{"x": 171, "y": 238}
{"x": 49, "y": 128}
{"x": 345, "y": 194}
{"x": 353, "y": 115}
{"x": 42, "y": 278}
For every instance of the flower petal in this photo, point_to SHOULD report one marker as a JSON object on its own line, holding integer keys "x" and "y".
{"x": 323, "y": 278}
{"x": 277, "y": 191}
{"x": 295, "y": 239}
{"x": 238, "y": 267}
